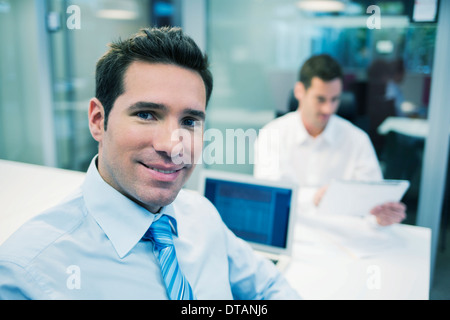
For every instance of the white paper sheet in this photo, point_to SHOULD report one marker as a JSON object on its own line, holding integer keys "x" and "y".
{"x": 357, "y": 198}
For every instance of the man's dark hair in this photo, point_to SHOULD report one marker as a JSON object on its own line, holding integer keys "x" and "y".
{"x": 322, "y": 66}
{"x": 156, "y": 45}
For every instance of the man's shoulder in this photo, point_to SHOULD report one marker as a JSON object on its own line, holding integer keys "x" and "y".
{"x": 281, "y": 128}
{"x": 192, "y": 198}
{"x": 283, "y": 122}
{"x": 41, "y": 231}
{"x": 193, "y": 206}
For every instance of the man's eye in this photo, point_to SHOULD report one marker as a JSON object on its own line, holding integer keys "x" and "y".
{"x": 191, "y": 122}
{"x": 145, "y": 115}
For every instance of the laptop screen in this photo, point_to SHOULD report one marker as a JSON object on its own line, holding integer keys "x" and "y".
{"x": 255, "y": 213}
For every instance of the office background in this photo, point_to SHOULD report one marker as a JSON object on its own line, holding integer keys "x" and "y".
{"x": 256, "y": 47}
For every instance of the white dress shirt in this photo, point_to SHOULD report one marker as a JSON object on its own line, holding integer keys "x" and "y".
{"x": 285, "y": 151}
{"x": 90, "y": 247}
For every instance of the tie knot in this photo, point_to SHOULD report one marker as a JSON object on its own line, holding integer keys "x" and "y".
{"x": 160, "y": 232}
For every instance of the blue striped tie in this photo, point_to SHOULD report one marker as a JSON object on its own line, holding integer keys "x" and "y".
{"x": 160, "y": 232}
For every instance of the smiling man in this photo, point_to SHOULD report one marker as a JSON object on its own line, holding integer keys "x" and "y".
{"x": 130, "y": 231}
{"x": 138, "y": 152}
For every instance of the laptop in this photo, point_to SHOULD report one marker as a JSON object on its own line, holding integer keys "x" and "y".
{"x": 258, "y": 211}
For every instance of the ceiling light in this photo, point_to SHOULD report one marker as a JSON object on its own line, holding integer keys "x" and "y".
{"x": 321, "y": 5}
{"x": 117, "y": 14}
{"x": 116, "y": 9}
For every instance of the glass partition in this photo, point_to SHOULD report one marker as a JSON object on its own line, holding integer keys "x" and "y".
{"x": 21, "y": 125}
{"x": 257, "y": 48}
{"x": 75, "y": 49}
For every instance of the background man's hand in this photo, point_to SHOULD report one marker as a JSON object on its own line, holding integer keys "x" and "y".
{"x": 319, "y": 194}
{"x": 389, "y": 213}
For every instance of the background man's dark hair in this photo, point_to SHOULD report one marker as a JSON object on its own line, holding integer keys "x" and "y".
{"x": 322, "y": 66}
{"x": 155, "y": 45}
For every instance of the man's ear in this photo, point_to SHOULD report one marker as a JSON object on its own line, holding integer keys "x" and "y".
{"x": 96, "y": 119}
{"x": 299, "y": 90}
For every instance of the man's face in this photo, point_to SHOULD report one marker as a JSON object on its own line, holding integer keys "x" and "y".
{"x": 154, "y": 133}
{"x": 318, "y": 103}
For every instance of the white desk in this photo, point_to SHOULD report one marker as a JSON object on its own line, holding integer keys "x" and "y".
{"x": 26, "y": 190}
{"x": 408, "y": 126}
{"x": 334, "y": 258}
{"x": 338, "y": 257}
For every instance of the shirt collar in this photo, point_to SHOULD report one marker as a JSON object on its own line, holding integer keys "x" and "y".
{"x": 123, "y": 221}
{"x": 301, "y": 134}
{"x": 170, "y": 212}
{"x": 330, "y": 134}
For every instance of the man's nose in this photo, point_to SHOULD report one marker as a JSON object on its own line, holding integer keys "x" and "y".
{"x": 329, "y": 107}
{"x": 168, "y": 140}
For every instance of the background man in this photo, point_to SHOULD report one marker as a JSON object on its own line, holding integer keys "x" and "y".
{"x": 315, "y": 145}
